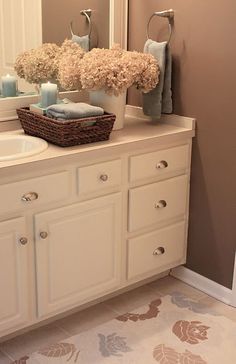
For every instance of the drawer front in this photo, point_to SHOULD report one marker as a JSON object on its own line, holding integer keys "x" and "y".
{"x": 164, "y": 248}
{"x": 34, "y": 192}
{"x": 98, "y": 177}
{"x": 157, "y": 202}
{"x": 158, "y": 163}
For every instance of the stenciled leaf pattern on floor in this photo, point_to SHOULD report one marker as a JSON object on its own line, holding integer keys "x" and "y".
{"x": 190, "y": 358}
{"x": 59, "y": 350}
{"x": 151, "y": 313}
{"x": 21, "y": 361}
{"x": 182, "y": 301}
{"x": 112, "y": 345}
{"x": 166, "y": 355}
{"x": 191, "y": 332}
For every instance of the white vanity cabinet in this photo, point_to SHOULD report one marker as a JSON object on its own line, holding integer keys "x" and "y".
{"x": 78, "y": 224}
{"x": 78, "y": 253}
{"x": 14, "y": 269}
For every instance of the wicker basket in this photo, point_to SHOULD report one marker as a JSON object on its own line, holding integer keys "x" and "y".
{"x": 66, "y": 133}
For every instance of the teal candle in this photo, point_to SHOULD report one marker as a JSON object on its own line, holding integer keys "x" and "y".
{"x": 9, "y": 86}
{"x": 48, "y": 94}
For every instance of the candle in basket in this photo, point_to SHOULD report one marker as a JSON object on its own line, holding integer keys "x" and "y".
{"x": 48, "y": 94}
{"x": 9, "y": 86}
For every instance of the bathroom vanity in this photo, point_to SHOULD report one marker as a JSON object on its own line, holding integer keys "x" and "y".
{"x": 80, "y": 223}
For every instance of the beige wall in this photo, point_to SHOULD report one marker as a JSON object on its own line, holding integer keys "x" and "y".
{"x": 58, "y": 14}
{"x": 204, "y": 86}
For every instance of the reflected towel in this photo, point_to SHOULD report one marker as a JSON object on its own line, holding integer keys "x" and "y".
{"x": 73, "y": 111}
{"x": 159, "y": 100}
{"x": 84, "y": 41}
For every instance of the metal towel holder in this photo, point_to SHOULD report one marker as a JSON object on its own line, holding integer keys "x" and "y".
{"x": 169, "y": 14}
{"x": 87, "y": 13}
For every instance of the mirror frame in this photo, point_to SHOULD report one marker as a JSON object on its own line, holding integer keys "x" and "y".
{"x": 118, "y": 26}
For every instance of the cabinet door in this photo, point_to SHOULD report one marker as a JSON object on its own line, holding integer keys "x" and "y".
{"x": 14, "y": 307}
{"x": 77, "y": 253}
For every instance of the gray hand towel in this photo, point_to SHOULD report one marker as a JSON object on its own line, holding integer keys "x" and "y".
{"x": 159, "y": 100}
{"x": 84, "y": 41}
{"x": 73, "y": 111}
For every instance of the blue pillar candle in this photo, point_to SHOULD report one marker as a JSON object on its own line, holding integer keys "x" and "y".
{"x": 48, "y": 94}
{"x": 9, "y": 86}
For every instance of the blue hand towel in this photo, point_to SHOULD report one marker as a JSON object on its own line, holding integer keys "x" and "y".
{"x": 159, "y": 100}
{"x": 84, "y": 41}
{"x": 73, "y": 111}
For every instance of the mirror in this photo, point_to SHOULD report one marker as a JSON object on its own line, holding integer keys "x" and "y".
{"x": 26, "y": 24}
{"x": 28, "y": 34}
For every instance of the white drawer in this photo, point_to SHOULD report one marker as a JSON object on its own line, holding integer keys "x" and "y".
{"x": 157, "y": 202}
{"x": 150, "y": 253}
{"x": 98, "y": 177}
{"x": 158, "y": 163}
{"x": 34, "y": 192}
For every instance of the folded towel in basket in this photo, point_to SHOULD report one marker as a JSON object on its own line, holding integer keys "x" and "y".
{"x": 73, "y": 111}
{"x": 159, "y": 100}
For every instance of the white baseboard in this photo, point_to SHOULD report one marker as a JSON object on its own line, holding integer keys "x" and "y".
{"x": 204, "y": 284}
{"x": 233, "y": 300}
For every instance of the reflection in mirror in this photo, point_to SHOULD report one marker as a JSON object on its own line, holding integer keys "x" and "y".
{"x": 26, "y": 24}
{"x": 65, "y": 11}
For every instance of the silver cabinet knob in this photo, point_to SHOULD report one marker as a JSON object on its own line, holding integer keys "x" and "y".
{"x": 159, "y": 251}
{"x": 162, "y": 165}
{"x": 23, "y": 241}
{"x": 30, "y": 196}
{"x": 43, "y": 235}
{"x": 160, "y": 204}
{"x": 104, "y": 177}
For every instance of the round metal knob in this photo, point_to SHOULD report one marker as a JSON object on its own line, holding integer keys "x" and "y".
{"x": 104, "y": 177}
{"x": 159, "y": 251}
{"x": 162, "y": 165}
{"x": 43, "y": 235}
{"x": 23, "y": 241}
{"x": 161, "y": 204}
{"x": 30, "y": 196}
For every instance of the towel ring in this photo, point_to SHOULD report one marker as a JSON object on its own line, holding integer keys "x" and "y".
{"x": 88, "y": 14}
{"x": 169, "y": 14}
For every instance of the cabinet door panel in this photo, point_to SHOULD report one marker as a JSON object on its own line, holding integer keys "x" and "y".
{"x": 80, "y": 257}
{"x": 13, "y": 275}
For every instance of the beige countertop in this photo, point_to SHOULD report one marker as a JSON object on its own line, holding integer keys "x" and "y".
{"x": 137, "y": 129}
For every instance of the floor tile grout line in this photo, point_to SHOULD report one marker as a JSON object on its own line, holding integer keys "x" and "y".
{"x": 189, "y": 285}
{"x": 64, "y": 331}
{"x": 70, "y": 334}
{"x": 162, "y": 293}
{"x": 7, "y": 355}
{"x": 112, "y": 309}
{"x": 157, "y": 291}
{"x": 13, "y": 358}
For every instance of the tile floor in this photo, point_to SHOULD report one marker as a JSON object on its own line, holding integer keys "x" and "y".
{"x": 101, "y": 313}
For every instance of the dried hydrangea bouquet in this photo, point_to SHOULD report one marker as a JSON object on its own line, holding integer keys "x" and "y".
{"x": 105, "y": 73}
{"x": 108, "y": 73}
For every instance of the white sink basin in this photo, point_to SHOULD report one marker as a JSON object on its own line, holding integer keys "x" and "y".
{"x": 20, "y": 146}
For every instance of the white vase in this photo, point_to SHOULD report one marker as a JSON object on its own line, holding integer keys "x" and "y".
{"x": 112, "y": 104}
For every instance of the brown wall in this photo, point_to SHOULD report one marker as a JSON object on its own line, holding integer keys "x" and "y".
{"x": 57, "y": 16}
{"x": 204, "y": 86}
